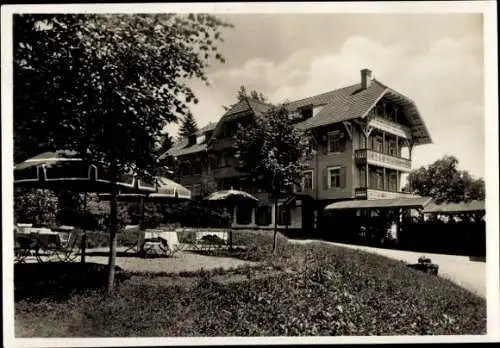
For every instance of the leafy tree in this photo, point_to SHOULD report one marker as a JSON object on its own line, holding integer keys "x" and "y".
{"x": 273, "y": 152}
{"x": 188, "y": 126}
{"x": 105, "y": 85}
{"x": 38, "y": 207}
{"x": 445, "y": 183}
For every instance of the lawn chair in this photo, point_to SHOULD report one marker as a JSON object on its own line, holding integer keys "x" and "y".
{"x": 23, "y": 248}
{"x": 69, "y": 246}
{"x": 47, "y": 246}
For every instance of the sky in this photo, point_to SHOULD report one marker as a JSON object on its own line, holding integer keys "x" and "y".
{"x": 435, "y": 59}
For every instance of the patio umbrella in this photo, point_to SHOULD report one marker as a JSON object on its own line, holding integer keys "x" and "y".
{"x": 62, "y": 169}
{"x": 158, "y": 189}
{"x": 232, "y": 198}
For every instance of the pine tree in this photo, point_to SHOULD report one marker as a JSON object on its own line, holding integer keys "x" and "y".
{"x": 188, "y": 126}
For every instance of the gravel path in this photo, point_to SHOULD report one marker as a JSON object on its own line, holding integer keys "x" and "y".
{"x": 181, "y": 261}
{"x": 459, "y": 269}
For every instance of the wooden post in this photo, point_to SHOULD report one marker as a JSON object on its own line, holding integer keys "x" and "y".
{"x": 385, "y": 188}
{"x": 384, "y": 150}
{"x": 112, "y": 230}
{"x": 231, "y": 228}
{"x": 397, "y": 181}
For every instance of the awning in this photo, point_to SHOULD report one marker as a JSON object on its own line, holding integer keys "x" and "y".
{"x": 461, "y": 207}
{"x": 415, "y": 202}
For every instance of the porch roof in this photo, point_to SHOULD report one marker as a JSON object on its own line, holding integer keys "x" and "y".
{"x": 414, "y": 202}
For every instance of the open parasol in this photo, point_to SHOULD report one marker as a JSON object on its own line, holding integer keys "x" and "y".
{"x": 231, "y": 198}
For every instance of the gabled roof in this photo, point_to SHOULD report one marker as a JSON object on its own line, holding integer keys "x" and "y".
{"x": 209, "y": 127}
{"x": 182, "y": 148}
{"x": 246, "y": 105}
{"x": 353, "y": 102}
{"x": 342, "y": 104}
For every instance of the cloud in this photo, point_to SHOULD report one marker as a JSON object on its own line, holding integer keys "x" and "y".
{"x": 444, "y": 78}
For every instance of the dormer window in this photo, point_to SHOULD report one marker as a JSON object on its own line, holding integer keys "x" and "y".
{"x": 306, "y": 112}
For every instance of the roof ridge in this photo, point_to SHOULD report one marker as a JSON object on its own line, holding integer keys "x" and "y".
{"x": 322, "y": 94}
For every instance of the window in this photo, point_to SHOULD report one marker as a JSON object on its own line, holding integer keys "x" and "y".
{"x": 197, "y": 167}
{"x": 263, "y": 216}
{"x": 362, "y": 177}
{"x": 229, "y": 160}
{"x": 333, "y": 177}
{"x": 335, "y": 142}
{"x": 196, "y": 190}
{"x": 391, "y": 147}
{"x": 222, "y": 161}
{"x": 378, "y": 144}
{"x": 393, "y": 182}
{"x": 306, "y": 112}
{"x": 212, "y": 163}
{"x": 379, "y": 179}
{"x": 284, "y": 217}
{"x": 243, "y": 215}
{"x": 307, "y": 181}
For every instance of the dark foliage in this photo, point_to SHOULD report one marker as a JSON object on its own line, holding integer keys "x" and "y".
{"x": 445, "y": 183}
{"x": 189, "y": 126}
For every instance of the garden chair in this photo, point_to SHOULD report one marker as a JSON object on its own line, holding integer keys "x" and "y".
{"x": 24, "y": 247}
{"x": 46, "y": 247}
{"x": 68, "y": 248}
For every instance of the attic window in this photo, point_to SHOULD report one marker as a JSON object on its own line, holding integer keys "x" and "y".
{"x": 306, "y": 112}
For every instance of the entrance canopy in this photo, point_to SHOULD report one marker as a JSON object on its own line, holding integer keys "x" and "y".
{"x": 414, "y": 202}
{"x": 455, "y": 208}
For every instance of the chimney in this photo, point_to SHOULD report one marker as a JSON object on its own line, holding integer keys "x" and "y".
{"x": 366, "y": 78}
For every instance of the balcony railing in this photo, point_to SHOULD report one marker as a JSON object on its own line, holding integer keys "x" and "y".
{"x": 363, "y": 156}
{"x": 390, "y": 127}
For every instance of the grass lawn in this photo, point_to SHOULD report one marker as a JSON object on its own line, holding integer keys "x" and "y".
{"x": 311, "y": 289}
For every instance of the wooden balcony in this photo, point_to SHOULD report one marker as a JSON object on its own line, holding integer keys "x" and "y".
{"x": 369, "y": 156}
{"x": 364, "y": 193}
{"x": 390, "y": 127}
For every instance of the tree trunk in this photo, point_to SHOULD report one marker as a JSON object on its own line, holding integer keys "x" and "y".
{"x": 112, "y": 232}
{"x": 275, "y": 236}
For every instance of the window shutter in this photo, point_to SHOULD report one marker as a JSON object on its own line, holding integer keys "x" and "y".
{"x": 325, "y": 179}
{"x": 342, "y": 178}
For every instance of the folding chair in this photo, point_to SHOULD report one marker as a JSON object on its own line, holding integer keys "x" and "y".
{"x": 24, "y": 246}
{"x": 47, "y": 246}
{"x": 68, "y": 248}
